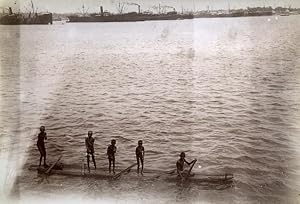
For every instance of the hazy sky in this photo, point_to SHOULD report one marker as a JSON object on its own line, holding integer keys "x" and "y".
{"x": 111, "y": 5}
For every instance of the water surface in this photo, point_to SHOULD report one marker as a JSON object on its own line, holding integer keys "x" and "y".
{"x": 226, "y": 91}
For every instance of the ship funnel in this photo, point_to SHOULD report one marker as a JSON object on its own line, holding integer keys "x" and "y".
{"x": 101, "y": 10}
{"x": 10, "y": 11}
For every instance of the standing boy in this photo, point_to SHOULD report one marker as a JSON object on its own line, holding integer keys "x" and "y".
{"x": 111, "y": 150}
{"x": 140, "y": 153}
{"x": 89, "y": 144}
{"x": 42, "y": 136}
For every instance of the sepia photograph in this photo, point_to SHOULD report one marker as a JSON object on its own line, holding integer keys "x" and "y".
{"x": 150, "y": 101}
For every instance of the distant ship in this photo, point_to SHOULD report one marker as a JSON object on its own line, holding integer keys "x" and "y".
{"x": 260, "y": 11}
{"x": 235, "y": 13}
{"x": 284, "y": 14}
{"x": 127, "y": 17}
{"x": 18, "y": 18}
{"x": 219, "y": 15}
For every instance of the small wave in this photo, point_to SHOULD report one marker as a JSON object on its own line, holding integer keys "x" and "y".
{"x": 122, "y": 139}
{"x": 153, "y": 152}
{"x": 254, "y": 121}
{"x": 275, "y": 119}
{"x": 277, "y": 104}
{"x": 156, "y": 122}
{"x": 276, "y": 86}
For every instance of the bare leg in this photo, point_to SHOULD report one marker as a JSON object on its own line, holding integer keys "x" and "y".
{"x": 88, "y": 161}
{"x": 41, "y": 157}
{"x": 114, "y": 165}
{"x": 109, "y": 165}
{"x": 138, "y": 164}
{"x": 41, "y": 153}
{"x": 93, "y": 158}
{"x": 45, "y": 160}
{"x": 142, "y": 162}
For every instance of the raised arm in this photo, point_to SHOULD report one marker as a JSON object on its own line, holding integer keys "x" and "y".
{"x": 189, "y": 163}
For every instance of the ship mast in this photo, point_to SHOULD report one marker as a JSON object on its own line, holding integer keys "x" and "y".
{"x": 32, "y": 6}
{"x": 84, "y": 12}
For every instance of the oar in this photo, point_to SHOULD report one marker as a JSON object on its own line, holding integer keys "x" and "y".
{"x": 189, "y": 172}
{"x": 123, "y": 171}
{"x": 51, "y": 167}
{"x": 194, "y": 162}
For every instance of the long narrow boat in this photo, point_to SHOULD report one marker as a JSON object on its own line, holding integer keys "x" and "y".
{"x": 150, "y": 174}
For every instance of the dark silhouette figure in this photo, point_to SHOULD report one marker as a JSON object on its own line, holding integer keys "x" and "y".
{"x": 140, "y": 153}
{"x": 111, "y": 150}
{"x": 89, "y": 143}
{"x": 42, "y": 136}
{"x": 180, "y": 166}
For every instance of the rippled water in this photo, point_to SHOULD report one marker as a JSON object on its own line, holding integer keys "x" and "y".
{"x": 226, "y": 91}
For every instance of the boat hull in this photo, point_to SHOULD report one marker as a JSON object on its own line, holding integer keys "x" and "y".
{"x": 170, "y": 176}
{"x": 18, "y": 19}
{"x": 127, "y": 18}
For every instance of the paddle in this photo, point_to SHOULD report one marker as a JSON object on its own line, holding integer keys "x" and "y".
{"x": 123, "y": 171}
{"x": 194, "y": 162}
{"x": 51, "y": 167}
{"x": 189, "y": 172}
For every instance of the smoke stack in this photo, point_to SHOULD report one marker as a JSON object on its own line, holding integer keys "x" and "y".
{"x": 139, "y": 9}
{"x": 10, "y": 11}
{"x": 101, "y": 10}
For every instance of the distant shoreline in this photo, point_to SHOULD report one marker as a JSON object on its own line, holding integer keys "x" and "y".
{"x": 104, "y": 16}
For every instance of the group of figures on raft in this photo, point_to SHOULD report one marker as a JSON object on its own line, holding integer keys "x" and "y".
{"x": 111, "y": 150}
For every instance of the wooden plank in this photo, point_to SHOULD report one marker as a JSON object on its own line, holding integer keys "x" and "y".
{"x": 197, "y": 178}
{"x": 148, "y": 174}
{"x": 165, "y": 173}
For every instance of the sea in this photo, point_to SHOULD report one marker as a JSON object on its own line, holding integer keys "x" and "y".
{"x": 226, "y": 91}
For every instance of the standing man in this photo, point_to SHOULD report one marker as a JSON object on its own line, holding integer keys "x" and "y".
{"x": 111, "y": 150}
{"x": 42, "y": 136}
{"x": 89, "y": 144}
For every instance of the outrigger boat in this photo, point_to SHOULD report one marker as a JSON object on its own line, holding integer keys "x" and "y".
{"x": 101, "y": 173}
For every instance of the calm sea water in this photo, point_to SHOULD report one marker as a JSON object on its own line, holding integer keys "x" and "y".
{"x": 226, "y": 91}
